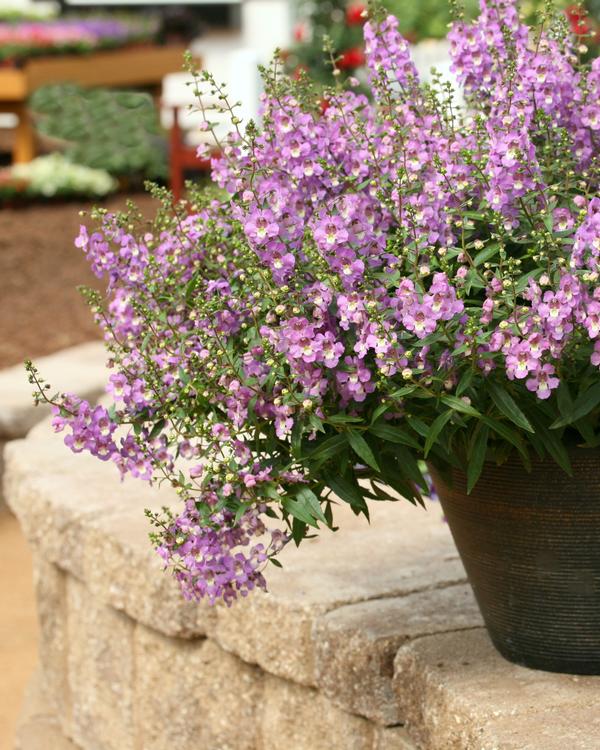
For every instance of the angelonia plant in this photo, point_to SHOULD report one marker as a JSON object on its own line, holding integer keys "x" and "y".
{"x": 380, "y": 281}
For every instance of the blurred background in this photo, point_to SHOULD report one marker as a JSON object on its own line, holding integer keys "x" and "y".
{"x": 94, "y": 101}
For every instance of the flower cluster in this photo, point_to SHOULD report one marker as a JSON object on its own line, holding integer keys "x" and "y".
{"x": 383, "y": 281}
{"x": 339, "y": 24}
{"x": 55, "y": 175}
{"x": 50, "y": 36}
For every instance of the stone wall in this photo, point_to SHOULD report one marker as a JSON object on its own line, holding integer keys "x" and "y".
{"x": 79, "y": 369}
{"x": 368, "y": 640}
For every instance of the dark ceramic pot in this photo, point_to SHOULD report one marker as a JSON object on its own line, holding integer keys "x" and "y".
{"x": 530, "y": 543}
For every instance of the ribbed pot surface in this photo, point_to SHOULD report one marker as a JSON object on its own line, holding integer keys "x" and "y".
{"x": 530, "y": 543}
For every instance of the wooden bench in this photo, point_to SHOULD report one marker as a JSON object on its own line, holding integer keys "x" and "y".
{"x": 141, "y": 65}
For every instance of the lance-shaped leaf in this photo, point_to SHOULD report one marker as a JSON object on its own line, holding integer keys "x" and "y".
{"x": 435, "y": 429}
{"x": 362, "y": 449}
{"x": 477, "y": 456}
{"x": 506, "y": 404}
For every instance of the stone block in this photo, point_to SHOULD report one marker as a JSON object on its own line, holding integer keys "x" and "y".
{"x": 253, "y": 629}
{"x": 192, "y": 694}
{"x": 38, "y": 727}
{"x": 356, "y": 645}
{"x": 72, "y": 503}
{"x": 457, "y": 693}
{"x": 101, "y": 671}
{"x": 572, "y": 728}
{"x": 79, "y": 514}
{"x": 121, "y": 568}
{"x": 52, "y": 491}
{"x": 80, "y": 369}
{"x": 300, "y": 718}
{"x": 393, "y": 738}
{"x": 51, "y": 597}
{"x": 403, "y": 550}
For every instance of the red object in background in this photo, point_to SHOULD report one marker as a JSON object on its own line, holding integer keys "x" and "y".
{"x": 298, "y": 70}
{"x": 354, "y": 14}
{"x": 351, "y": 58}
{"x": 182, "y": 157}
{"x": 578, "y": 20}
{"x": 300, "y": 32}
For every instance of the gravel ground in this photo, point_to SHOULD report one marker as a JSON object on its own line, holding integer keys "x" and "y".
{"x": 41, "y": 310}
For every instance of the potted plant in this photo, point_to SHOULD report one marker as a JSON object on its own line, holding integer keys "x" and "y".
{"x": 378, "y": 284}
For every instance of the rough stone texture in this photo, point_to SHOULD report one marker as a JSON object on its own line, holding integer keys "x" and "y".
{"x": 403, "y": 550}
{"x": 84, "y": 519}
{"x": 310, "y": 666}
{"x": 101, "y": 672}
{"x": 457, "y": 693}
{"x": 80, "y": 516}
{"x": 207, "y": 698}
{"x": 563, "y": 728}
{"x": 39, "y": 728}
{"x": 51, "y": 594}
{"x": 294, "y": 716}
{"x": 356, "y": 645}
{"x": 80, "y": 370}
{"x": 393, "y": 738}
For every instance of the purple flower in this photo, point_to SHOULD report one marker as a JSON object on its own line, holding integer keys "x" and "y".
{"x": 261, "y": 226}
{"x": 543, "y": 381}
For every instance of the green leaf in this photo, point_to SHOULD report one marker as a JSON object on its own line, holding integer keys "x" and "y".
{"x": 392, "y": 434}
{"x": 299, "y": 509}
{"x": 477, "y": 457}
{"x": 554, "y": 446}
{"x": 298, "y": 531}
{"x": 362, "y": 449}
{"x": 459, "y": 405}
{"x": 407, "y": 467}
{"x": 565, "y": 407}
{"x": 270, "y": 489}
{"x": 343, "y": 419}
{"x": 524, "y": 280}
{"x": 315, "y": 423}
{"x": 397, "y": 480}
{"x": 379, "y": 411}
{"x": 435, "y": 429}
{"x": 508, "y": 434}
{"x": 405, "y": 391}
{"x": 157, "y": 429}
{"x": 464, "y": 382}
{"x": 583, "y": 405}
{"x": 418, "y": 426}
{"x": 485, "y": 254}
{"x": 311, "y": 501}
{"x": 326, "y": 449}
{"x": 296, "y": 439}
{"x": 240, "y": 511}
{"x": 348, "y": 490}
{"x": 564, "y": 399}
{"x": 505, "y": 403}
{"x": 381, "y": 494}
{"x": 431, "y": 339}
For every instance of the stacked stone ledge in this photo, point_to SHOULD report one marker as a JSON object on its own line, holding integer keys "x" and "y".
{"x": 79, "y": 369}
{"x": 368, "y": 640}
